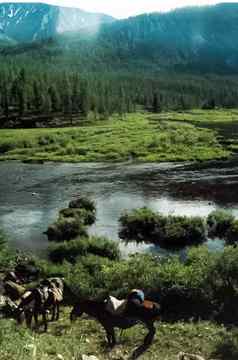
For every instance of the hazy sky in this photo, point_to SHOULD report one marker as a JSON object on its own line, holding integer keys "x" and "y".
{"x": 125, "y": 8}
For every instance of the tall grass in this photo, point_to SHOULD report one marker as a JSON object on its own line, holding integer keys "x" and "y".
{"x": 138, "y": 136}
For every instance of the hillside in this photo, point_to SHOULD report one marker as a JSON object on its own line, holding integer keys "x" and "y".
{"x": 193, "y": 39}
{"x": 26, "y": 22}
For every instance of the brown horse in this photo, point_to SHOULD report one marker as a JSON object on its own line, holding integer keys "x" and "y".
{"x": 40, "y": 301}
{"x": 147, "y": 314}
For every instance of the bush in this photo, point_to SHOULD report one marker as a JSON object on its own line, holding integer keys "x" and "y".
{"x": 232, "y": 233}
{"x": 72, "y": 221}
{"x": 205, "y": 285}
{"x": 87, "y": 277}
{"x": 7, "y": 256}
{"x": 166, "y": 231}
{"x": 85, "y": 216}
{"x": 69, "y": 251}
{"x": 83, "y": 203}
{"x": 2, "y": 241}
{"x": 66, "y": 229}
{"x": 140, "y": 224}
{"x": 219, "y": 222}
{"x": 222, "y": 284}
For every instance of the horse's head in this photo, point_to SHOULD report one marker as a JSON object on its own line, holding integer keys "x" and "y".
{"x": 77, "y": 311}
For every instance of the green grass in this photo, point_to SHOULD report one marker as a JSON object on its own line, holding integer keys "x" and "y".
{"x": 140, "y": 137}
{"x": 199, "y": 116}
{"x": 87, "y": 337}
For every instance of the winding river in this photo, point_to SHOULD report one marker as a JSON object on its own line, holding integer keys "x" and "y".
{"x": 32, "y": 194}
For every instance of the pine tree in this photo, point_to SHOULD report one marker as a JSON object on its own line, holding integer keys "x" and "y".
{"x": 54, "y": 97}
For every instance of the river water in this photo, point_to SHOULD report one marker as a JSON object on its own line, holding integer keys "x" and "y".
{"x": 31, "y": 195}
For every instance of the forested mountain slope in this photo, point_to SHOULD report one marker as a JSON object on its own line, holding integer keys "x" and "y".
{"x": 34, "y": 21}
{"x": 193, "y": 39}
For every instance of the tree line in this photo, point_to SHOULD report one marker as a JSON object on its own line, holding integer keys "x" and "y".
{"x": 29, "y": 89}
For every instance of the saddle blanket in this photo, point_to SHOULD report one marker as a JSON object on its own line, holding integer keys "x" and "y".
{"x": 115, "y": 306}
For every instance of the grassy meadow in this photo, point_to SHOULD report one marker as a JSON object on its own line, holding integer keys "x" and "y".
{"x": 142, "y": 137}
{"x": 68, "y": 342}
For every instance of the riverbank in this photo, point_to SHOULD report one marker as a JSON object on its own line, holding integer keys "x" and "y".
{"x": 139, "y": 137}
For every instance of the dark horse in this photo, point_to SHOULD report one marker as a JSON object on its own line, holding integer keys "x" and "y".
{"x": 36, "y": 303}
{"x": 147, "y": 314}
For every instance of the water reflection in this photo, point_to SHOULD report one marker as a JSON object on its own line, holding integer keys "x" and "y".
{"x": 31, "y": 195}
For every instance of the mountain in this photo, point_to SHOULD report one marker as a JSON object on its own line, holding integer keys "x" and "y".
{"x": 184, "y": 38}
{"x": 24, "y": 22}
{"x": 192, "y": 39}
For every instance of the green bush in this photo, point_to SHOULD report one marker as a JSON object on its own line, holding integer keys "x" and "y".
{"x": 7, "y": 256}
{"x": 232, "y": 233}
{"x": 69, "y": 251}
{"x": 166, "y": 231}
{"x": 83, "y": 203}
{"x": 140, "y": 224}
{"x": 87, "y": 217}
{"x": 66, "y": 229}
{"x": 222, "y": 284}
{"x": 2, "y": 240}
{"x": 71, "y": 222}
{"x": 205, "y": 285}
{"x": 219, "y": 222}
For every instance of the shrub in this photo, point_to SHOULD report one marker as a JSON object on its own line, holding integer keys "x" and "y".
{"x": 2, "y": 241}
{"x": 140, "y": 224}
{"x": 205, "y": 285}
{"x": 87, "y": 278}
{"x": 181, "y": 231}
{"x": 83, "y": 203}
{"x": 69, "y": 251}
{"x": 166, "y": 231}
{"x": 219, "y": 222}
{"x": 7, "y": 256}
{"x": 222, "y": 284}
{"x": 66, "y": 229}
{"x": 232, "y": 233}
{"x": 85, "y": 216}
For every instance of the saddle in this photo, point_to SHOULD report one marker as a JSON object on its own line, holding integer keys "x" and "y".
{"x": 118, "y": 307}
{"x": 57, "y": 293}
{"x": 115, "y": 306}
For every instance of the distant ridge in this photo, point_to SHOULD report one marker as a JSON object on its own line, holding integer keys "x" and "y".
{"x": 191, "y": 39}
{"x": 24, "y": 22}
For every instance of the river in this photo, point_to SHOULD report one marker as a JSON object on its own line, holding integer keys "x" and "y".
{"x": 31, "y": 195}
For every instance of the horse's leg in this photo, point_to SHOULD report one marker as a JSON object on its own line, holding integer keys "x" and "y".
{"x": 150, "y": 336}
{"x": 147, "y": 341}
{"x": 110, "y": 335}
{"x": 53, "y": 312}
{"x": 57, "y": 310}
{"x": 35, "y": 314}
{"x": 28, "y": 316}
{"x": 44, "y": 317}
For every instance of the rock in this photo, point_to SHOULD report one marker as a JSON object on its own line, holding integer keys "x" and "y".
{"x": 59, "y": 357}
{"x": 89, "y": 357}
{"x": 186, "y": 356}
